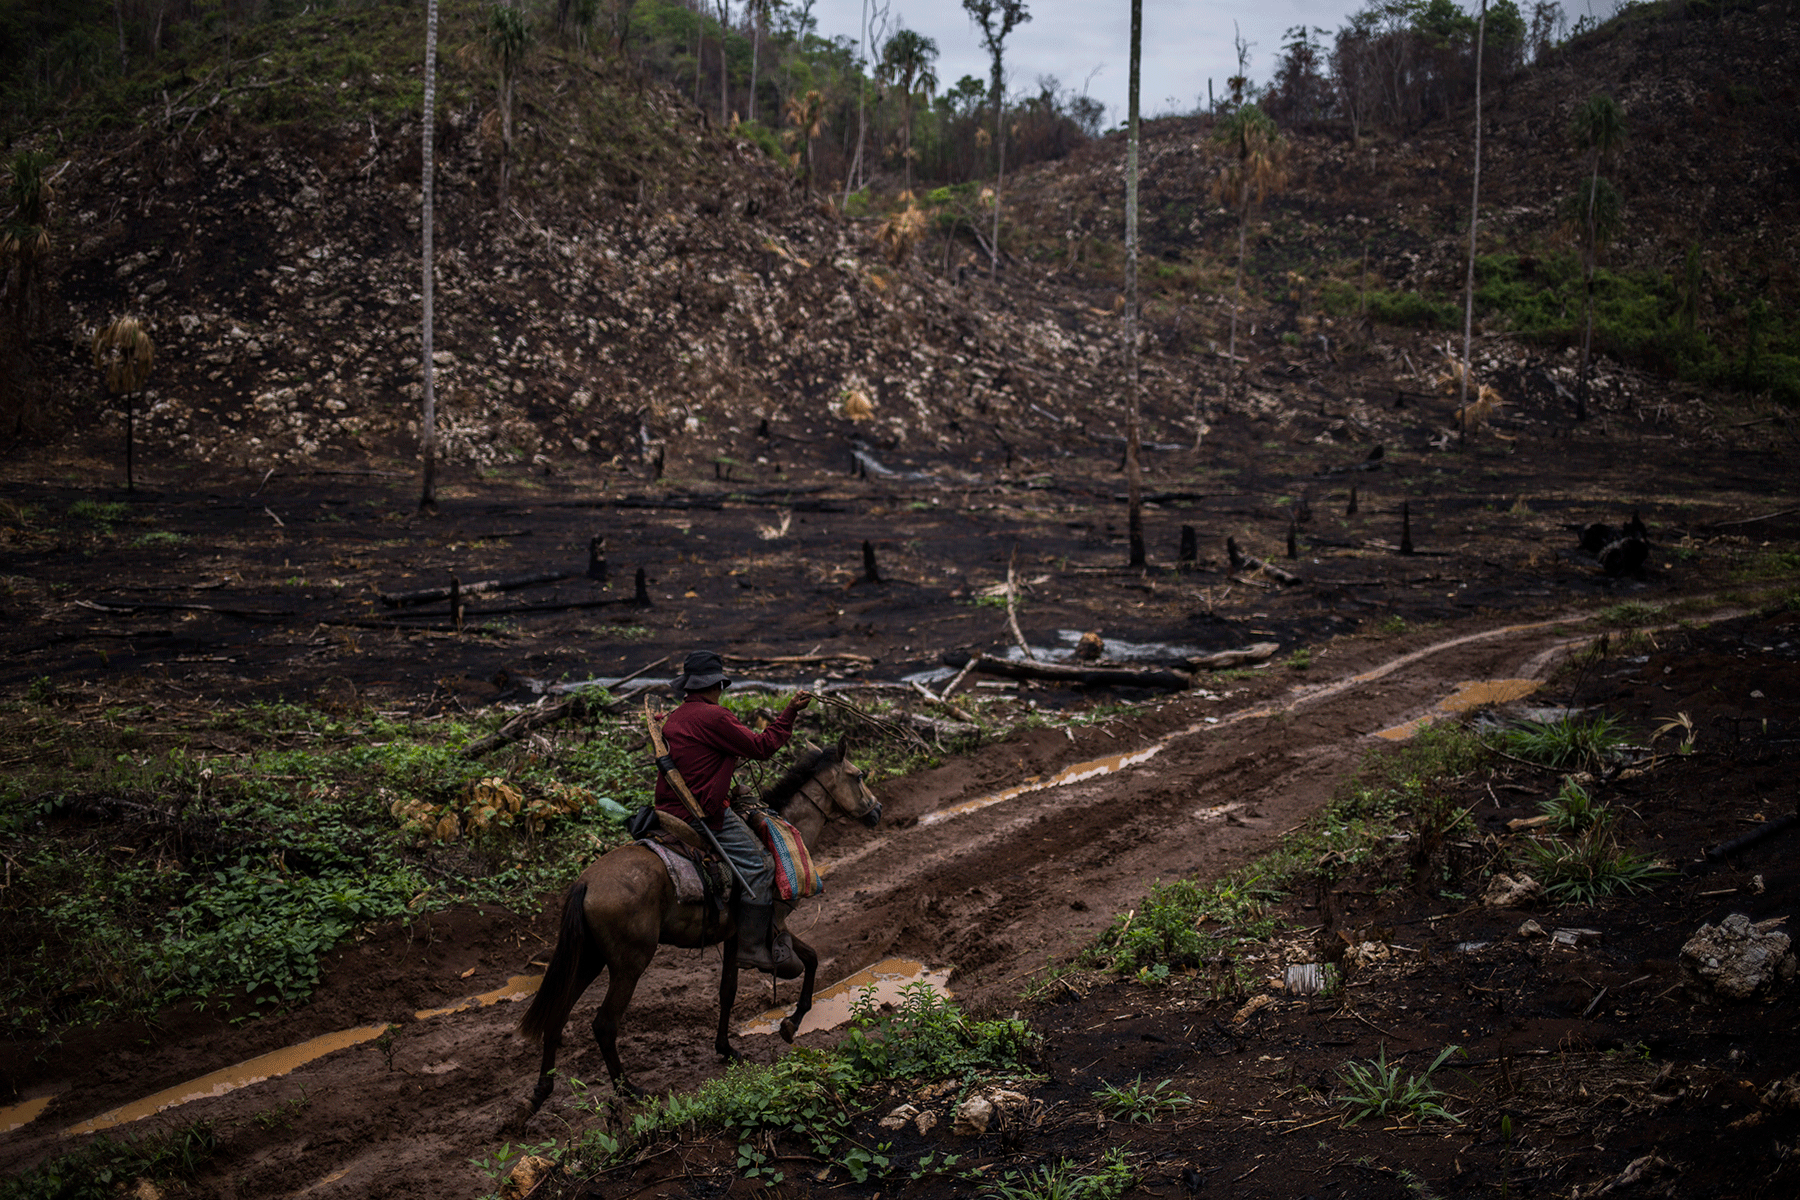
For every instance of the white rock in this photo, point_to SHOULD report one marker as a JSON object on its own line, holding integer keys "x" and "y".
{"x": 1737, "y": 958}
{"x": 1504, "y": 891}
{"x": 973, "y": 1116}
{"x": 900, "y": 1116}
{"x": 1531, "y": 929}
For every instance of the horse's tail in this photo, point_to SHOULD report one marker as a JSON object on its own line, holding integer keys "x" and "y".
{"x": 561, "y": 986}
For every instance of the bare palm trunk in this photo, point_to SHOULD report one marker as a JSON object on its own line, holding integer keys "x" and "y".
{"x": 724, "y": 79}
{"x": 119, "y": 16}
{"x": 1587, "y": 336}
{"x": 1237, "y": 290}
{"x": 1134, "y": 476}
{"x": 130, "y": 436}
{"x": 755, "y": 55}
{"x": 428, "y": 426}
{"x": 999, "y": 179}
{"x": 1474, "y": 216}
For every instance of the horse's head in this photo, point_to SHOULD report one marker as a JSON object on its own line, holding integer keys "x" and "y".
{"x": 841, "y": 780}
{"x": 848, "y": 787}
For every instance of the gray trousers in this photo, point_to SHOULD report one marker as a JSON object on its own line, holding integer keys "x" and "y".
{"x": 756, "y": 875}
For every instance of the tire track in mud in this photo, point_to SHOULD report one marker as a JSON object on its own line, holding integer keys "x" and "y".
{"x": 996, "y": 891}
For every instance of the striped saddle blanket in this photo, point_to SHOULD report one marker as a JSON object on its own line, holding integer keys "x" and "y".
{"x": 795, "y": 876}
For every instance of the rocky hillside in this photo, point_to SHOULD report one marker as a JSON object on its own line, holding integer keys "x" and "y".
{"x": 657, "y": 282}
{"x": 654, "y": 280}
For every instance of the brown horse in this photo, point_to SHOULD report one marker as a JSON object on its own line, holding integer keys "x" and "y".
{"x": 624, "y": 906}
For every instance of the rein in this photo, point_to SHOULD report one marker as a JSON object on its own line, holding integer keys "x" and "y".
{"x": 805, "y": 793}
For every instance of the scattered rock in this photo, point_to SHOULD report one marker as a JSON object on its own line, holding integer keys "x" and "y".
{"x": 973, "y": 1116}
{"x": 925, "y": 1122}
{"x": 1738, "y": 958}
{"x": 1531, "y": 929}
{"x": 1504, "y": 891}
{"x": 1090, "y": 648}
{"x": 899, "y": 1117}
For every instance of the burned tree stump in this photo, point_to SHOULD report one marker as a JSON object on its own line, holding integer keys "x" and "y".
{"x": 1190, "y": 547}
{"x": 870, "y": 574}
{"x": 1406, "y": 546}
{"x": 597, "y": 559}
{"x": 642, "y": 597}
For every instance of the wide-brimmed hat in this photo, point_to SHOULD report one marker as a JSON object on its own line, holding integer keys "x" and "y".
{"x": 703, "y": 669}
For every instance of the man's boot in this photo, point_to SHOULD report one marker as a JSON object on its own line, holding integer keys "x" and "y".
{"x": 756, "y": 946}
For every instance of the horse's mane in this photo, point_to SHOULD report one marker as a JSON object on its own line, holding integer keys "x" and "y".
{"x": 804, "y": 768}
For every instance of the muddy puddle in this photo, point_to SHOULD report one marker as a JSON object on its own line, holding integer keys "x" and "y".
{"x": 832, "y": 1006}
{"x": 263, "y": 1067}
{"x": 1470, "y": 694}
{"x": 16, "y": 1116}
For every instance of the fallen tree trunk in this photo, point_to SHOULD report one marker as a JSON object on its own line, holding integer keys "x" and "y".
{"x": 1234, "y": 658}
{"x": 1064, "y": 673}
{"x": 1249, "y": 562}
{"x": 524, "y": 723}
{"x": 427, "y": 595}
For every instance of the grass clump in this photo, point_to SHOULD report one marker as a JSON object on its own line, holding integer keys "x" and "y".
{"x": 1569, "y": 743}
{"x": 809, "y": 1093}
{"x": 1133, "y": 1102}
{"x": 1591, "y": 866}
{"x": 1110, "y": 1179}
{"x": 1630, "y": 614}
{"x": 1377, "y": 1089}
{"x": 1573, "y": 809}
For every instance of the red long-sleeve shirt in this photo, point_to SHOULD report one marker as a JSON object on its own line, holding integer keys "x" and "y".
{"x": 707, "y": 743}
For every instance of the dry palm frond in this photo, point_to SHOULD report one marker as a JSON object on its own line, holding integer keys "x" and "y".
{"x": 126, "y": 353}
{"x": 1486, "y": 401}
{"x": 899, "y": 233}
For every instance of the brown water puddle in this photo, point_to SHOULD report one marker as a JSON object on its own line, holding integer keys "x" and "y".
{"x": 519, "y": 987}
{"x": 1473, "y": 693}
{"x": 229, "y": 1079}
{"x": 255, "y": 1070}
{"x": 13, "y": 1116}
{"x": 833, "y": 1006}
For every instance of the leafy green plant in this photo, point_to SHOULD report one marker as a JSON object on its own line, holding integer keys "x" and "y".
{"x": 927, "y": 1036}
{"x": 864, "y": 1164}
{"x": 1377, "y": 1089}
{"x": 1300, "y": 660}
{"x": 1574, "y": 809}
{"x": 1591, "y": 866}
{"x": 1567, "y": 743}
{"x": 104, "y": 1169}
{"x": 1110, "y": 1179}
{"x": 931, "y": 1164}
{"x": 1394, "y": 625}
{"x": 1133, "y": 1102}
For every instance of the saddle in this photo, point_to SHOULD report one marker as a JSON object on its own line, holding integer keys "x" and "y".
{"x": 688, "y": 855}
{"x": 699, "y": 875}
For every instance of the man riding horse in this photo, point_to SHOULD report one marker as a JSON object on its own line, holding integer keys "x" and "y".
{"x": 706, "y": 743}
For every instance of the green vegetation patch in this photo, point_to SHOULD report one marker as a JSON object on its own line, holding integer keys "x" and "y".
{"x": 1186, "y": 922}
{"x": 147, "y": 869}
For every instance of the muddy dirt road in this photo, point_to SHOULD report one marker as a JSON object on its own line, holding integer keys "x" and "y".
{"x": 992, "y": 888}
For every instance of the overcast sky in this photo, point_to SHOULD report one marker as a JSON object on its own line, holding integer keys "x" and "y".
{"x": 1185, "y": 42}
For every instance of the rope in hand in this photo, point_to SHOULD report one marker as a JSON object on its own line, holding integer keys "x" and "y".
{"x": 892, "y": 729}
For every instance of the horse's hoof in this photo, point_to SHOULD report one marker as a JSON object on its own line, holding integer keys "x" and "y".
{"x": 788, "y": 1029}
{"x": 729, "y": 1054}
{"x": 629, "y": 1091}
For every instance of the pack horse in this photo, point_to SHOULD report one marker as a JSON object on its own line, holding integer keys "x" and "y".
{"x": 626, "y": 904}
